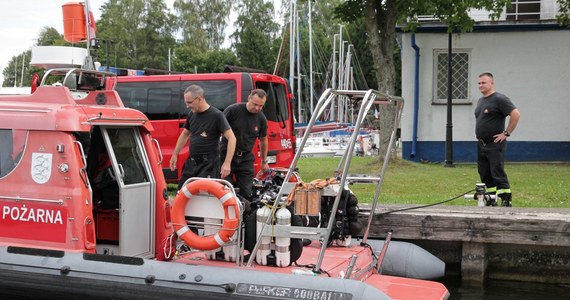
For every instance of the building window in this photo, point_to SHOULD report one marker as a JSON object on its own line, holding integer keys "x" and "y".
{"x": 524, "y": 10}
{"x": 460, "y": 74}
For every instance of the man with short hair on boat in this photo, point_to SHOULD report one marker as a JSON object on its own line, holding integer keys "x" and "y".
{"x": 204, "y": 126}
{"x": 248, "y": 123}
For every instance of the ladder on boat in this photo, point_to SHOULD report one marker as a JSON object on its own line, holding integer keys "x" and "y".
{"x": 363, "y": 100}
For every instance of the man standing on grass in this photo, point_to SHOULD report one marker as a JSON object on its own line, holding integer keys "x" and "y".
{"x": 490, "y": 113}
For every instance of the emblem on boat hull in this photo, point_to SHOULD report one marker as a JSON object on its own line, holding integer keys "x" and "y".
{"x": 41, "y": 167}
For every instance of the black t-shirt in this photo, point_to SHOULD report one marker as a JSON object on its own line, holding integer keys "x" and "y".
{"x": 246, "y": 126}
{"x": 205, "y": 130}
{"x": 490, "y": 115}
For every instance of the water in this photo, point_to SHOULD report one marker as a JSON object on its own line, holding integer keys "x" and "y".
{"x": 506, "y": 290}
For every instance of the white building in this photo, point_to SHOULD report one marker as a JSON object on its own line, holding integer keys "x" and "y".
{"x": 529, "y": 56}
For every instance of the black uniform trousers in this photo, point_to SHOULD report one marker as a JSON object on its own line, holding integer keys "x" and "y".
{"x": 491, "y": 163}
{"x": 241, "y": 175}
{"x": 203, "y": 165}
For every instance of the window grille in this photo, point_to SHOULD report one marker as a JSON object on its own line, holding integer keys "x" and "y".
{"x": 459, "y": 72}
{"x": 524, "y": 10}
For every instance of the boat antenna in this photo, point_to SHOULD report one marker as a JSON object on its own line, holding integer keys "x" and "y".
{"x": 88, "y": 63}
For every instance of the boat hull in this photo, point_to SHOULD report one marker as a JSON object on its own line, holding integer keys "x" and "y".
{"x": 54, "y": 273}
{"x": 317, "y": 154}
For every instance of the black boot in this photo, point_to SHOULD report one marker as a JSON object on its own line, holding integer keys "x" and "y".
{"x": 506, "y": 199}
{"x": 490, "y": 199}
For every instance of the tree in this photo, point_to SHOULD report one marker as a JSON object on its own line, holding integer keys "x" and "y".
{"x": 203, "y": 22}
{"x": 13, "y": 72}
{"x": 381, "y": 18}
{"x": 564, "y": 12}
{"x": 140, "y": 33}
{"x": 190, "y": 61}
{"x": 324, "y": 27}
{"x": 48, "y": 36}
{"x": 254, "y": 35}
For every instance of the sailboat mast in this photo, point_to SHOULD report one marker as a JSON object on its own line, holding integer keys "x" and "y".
{"x": 298, "y": 57}
{"x": 22, "y": 75}
{"x": 332, "y": 115}
{"x": 292, "y": 48}
{"x": 88, "y": 34}
{"x": 310, "y": 59}
{"x": 15, "y": 71}
{"x": 88, "y": 62}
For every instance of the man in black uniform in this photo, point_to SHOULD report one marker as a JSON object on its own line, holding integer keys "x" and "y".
{"x": 248, "y": 123}
{"x": 203, "y": 127}
{"x": 490, "y": 113}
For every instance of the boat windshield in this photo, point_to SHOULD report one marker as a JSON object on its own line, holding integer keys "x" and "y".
{"x": 12, "y": 143}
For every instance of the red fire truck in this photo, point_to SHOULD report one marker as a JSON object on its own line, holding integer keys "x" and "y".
{"x": 160, "y": 97}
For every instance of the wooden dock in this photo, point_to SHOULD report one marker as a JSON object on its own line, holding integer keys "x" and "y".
{"x": 521, "y": 244}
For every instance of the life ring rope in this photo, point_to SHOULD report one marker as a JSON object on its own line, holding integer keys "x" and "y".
{"x": 231, "y": 214}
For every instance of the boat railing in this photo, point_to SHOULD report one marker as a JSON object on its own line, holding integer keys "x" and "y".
{"x": 76, "y": 79}
{"x": 363, "y": 100}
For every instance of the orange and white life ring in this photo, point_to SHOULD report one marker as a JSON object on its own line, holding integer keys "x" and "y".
{"x": 231, "y": 214}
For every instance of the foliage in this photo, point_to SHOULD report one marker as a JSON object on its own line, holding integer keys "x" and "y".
{"x": 203, "y": 22}
{"x": 363, "y": 56}
{"x": 50, "y": 37}
{"x": 381, "y": 18}
{"x": 324, "y": 29}
{"x": 533, "y": 184}
{"x": 563, "y": 16}
{"x": 139, "y": 31}
{"x": 254, "y": 34}
{"x": 189, "y": 61}
{"x": 13, "y": 72}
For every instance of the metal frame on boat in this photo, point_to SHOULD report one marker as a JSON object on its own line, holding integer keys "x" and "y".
{"x": 366, "y": 99}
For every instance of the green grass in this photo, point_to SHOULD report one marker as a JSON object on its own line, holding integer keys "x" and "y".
{"x": 533, "y": 184}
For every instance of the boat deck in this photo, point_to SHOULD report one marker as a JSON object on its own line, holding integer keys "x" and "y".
{"x": 335, "y": 262}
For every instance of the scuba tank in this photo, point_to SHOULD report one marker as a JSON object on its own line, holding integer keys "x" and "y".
{"x": 265, "y": 247}
{"x": 211, "y": 228}
{"x": 282, "y": 252}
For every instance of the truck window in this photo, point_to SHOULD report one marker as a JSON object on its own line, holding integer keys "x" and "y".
{"x": 160, "y": 104}
{"x": 157, "y": 100}
{"x": 275, "y": 108}
{"x": 163, "y": 100}
{"x": 218, "y": 93}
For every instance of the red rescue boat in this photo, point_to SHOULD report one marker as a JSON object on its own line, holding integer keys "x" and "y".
{"x": 85, "y": 212}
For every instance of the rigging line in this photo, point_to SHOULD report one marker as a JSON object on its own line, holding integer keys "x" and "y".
{"x": 360, "y": 71}
{"x": 424, "y": 206}
{"x": 281, "y": 51}
{"x": 320, "y": 52}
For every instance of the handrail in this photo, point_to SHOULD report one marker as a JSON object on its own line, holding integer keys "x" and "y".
{"x": 366, "y": 99}
{"x": 18, "y": 198}
{"x": 391, "y": 143}
{"x": 68, "y": 72}
{"x": 101, "y": 118}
